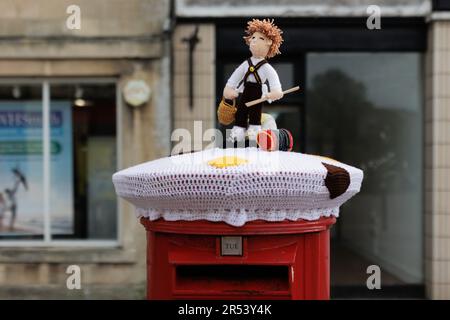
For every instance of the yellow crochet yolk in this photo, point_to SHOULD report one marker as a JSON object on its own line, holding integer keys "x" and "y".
{"x": 227, "y": 161}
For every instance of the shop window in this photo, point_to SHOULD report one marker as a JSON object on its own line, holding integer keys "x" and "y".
{"x": 77, "y": 123}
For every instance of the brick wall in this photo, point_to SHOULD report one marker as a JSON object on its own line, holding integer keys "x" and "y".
{"x": 204, "y": 106}
{"x": 437, "y": 161}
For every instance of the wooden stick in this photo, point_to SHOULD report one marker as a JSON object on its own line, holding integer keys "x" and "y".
{"x": 253, "y": 102}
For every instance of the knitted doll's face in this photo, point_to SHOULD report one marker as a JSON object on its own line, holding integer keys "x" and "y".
{"x": 259, "y": 45}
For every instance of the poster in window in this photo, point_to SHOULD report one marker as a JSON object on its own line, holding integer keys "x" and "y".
{"x": 21, "y": 168}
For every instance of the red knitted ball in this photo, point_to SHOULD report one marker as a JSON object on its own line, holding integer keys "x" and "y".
{"x": 267, "y": 140}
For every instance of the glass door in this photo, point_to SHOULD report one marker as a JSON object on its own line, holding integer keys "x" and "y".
{"x": 365, "y": 109}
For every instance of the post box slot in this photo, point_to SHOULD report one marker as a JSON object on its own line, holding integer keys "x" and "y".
{"x": 232, "y": 278}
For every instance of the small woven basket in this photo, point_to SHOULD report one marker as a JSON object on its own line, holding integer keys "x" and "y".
{"x": 226, "y": 112}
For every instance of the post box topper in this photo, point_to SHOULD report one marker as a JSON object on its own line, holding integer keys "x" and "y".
{"x": 238, "y": 185}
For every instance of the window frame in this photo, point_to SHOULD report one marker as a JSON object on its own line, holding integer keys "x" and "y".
{"x": 46, "y": 83}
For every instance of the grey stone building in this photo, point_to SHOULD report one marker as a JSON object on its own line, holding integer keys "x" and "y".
{"x": 73, "y": 63}
{"x": 376, "y": 98}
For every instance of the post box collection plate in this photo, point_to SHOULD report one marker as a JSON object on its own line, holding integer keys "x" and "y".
{"x": 231, "y": 246}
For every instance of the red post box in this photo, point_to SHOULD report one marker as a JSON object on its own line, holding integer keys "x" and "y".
{"x": 260, "y": 260}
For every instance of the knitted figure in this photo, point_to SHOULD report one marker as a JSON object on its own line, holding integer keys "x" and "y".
{"x": 255, "y": 78}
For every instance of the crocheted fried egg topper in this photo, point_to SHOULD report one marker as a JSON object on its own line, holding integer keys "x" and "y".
{"x": 258, "y": 185}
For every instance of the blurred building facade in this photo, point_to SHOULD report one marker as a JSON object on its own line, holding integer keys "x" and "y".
{"x": 373, "y": 98}
{"x": 77, "y": 75}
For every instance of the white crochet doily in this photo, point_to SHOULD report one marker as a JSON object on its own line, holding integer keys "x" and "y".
{"x": 271, "y": 186}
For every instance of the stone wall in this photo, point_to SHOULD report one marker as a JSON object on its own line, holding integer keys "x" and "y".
{"x": 125, "y": 29}
{"x": 299, "y": 8}
{"x": 204, "y": 75}
{"x": 437, "y": 160}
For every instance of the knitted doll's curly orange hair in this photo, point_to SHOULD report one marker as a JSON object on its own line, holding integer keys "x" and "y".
{"x": 271, "y": 31}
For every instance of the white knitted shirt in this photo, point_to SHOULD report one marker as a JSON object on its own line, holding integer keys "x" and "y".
{"x": 271, "y": 186}
{"x": 266, "y": 72}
